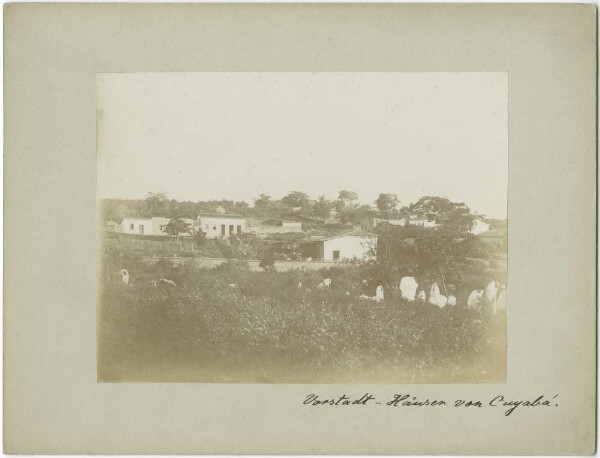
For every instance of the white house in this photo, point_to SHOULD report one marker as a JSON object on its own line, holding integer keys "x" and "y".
{"x": 143, "y": 226}
{"x": 220, "y": 225}
{"x": 354, "y": 244}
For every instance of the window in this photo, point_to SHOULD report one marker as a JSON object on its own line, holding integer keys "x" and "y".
{"x": 222, "y": 229}
{"x": 230, "y": 229}
{"x": 214, "y": 228}
{"x": 142, "y": 229}
{"x": 239, "y": 229}
{"x": 336, "y": 255}
{"x": 131, "y": 226}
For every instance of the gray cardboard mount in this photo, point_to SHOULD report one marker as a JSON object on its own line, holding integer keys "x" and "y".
{"x": 52, "y": 401}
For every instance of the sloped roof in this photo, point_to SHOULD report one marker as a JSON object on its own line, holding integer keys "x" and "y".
{"x": 357, "y": 232}
{"x": 136, "y": 217}
{"x": 159, "y": 219}
{"x": 220, "y": 215}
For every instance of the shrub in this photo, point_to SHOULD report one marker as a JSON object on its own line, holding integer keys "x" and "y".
{"x": 268, "y": 262}
{"x": 267, "y": 328}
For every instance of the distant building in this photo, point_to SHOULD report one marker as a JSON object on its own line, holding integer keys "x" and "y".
{"x": 150, "y": 226}
{"x": 144, "y": 226}
{"x": 354, "y": 244}
{"x": 220, "y": 210}
{"x": 111, "y": 226}
{"x": 273, "y": 226}
{"x": 369, "y": 223}
{"x": 220, "y": 225}
{"x": 423, "y": 222}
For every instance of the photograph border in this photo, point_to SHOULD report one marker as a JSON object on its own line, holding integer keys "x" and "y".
{"x": 52, "y": 403}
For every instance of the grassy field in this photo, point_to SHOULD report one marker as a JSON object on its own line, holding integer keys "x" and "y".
{"x": 267, "y": 329}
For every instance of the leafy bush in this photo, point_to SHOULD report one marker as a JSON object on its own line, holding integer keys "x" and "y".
{"x": 200, "y": 238}
{"x": 231, "y": 324}
{"x": 268, "y": 262}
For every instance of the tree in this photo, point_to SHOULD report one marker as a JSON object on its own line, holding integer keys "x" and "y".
{"x": 322, "y": 207}
{"x": 347, "y": 200}
{"x": 431, "y": 204}
{"x": 200, "y": 238}
{"x": 175, "y": 227}
{"x": 296, "y": 199}
{"x": 387, "y": 203}
{"x": 263, "y": 201}
{"x": 156, "y": 204}
{"x": 447, "y": 250}
{"x": 440, "y": 247}
{"x": 268, "y": 262}
{"x": 355, "y": 215}
{"x": 117, "y": 209}
{"x": 241, "y": 207}
{"x": 444, "y": 212}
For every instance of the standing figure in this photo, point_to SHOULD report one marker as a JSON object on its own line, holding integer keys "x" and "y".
{"x": 408, "y": 288}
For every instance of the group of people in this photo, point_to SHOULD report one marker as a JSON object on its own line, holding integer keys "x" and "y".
{"x": 494, "y": 295}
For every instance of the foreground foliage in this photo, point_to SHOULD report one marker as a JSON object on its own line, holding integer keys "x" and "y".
{"x": 229, "y": 324}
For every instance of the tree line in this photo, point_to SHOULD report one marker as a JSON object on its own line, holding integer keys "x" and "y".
{"x": 296, "y": 205}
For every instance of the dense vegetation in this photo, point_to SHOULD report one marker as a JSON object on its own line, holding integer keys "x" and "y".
{"x": 266, "y": 328}
{"x": 295, "y": 205}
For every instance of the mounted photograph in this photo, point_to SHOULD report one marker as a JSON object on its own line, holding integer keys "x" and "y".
{"x": 302, "y": 227}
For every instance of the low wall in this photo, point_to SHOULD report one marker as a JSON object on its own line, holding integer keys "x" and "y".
{"x": 273, "y": 229}
{"x": 253, "y": 264}
{"x": 149, "y": 245}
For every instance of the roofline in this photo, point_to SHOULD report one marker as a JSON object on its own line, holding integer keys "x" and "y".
{"x": 274, "y": 219}
{"x": 141, "y": 217}
{"x": 349, "y": 234}
{"x": 220, "y": 215}
{"x": 150, "y": 218}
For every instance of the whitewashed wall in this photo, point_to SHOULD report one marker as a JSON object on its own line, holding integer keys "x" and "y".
{"x": 211, "y": 225}
{"x": 348, "y": 246}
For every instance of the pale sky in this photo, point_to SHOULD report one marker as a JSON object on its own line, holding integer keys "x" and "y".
{"x": 203, "y": 136}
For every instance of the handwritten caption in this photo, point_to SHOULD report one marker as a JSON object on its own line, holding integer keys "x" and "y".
{"x": 499, "y": 402}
